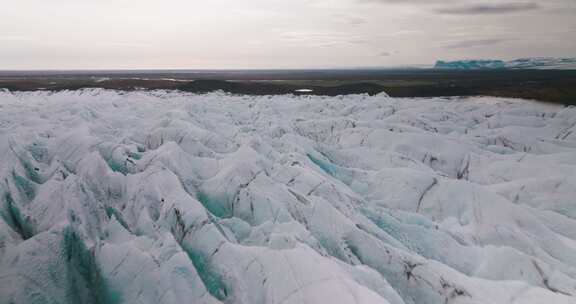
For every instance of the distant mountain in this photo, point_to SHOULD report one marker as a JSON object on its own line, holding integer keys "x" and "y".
{"x": 470, "y": 65}
{"x": 542, "y": 63}
{"x": 524, "y": 63}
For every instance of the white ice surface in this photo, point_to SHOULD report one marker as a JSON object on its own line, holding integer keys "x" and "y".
{"x": 165, "y": 197}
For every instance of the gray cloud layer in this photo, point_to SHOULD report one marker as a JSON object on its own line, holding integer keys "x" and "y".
{"x": 482, "y": 7}
{"x": 490, "y": 8}
{"x": 474, "y": 43}
{"x": 36, "y": 34}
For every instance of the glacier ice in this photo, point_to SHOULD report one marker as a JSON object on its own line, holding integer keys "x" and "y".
{"x": 544, "y": 63}
{"x": 167, "y": 197}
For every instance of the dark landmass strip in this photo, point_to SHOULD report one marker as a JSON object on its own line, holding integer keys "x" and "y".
{"x": 557, "y": 86}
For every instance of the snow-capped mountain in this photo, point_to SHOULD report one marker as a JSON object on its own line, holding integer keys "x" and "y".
{"x": 524, "y": 63}
{"x": 165, "y": 197}
{"x": 470, "y": 65}
{"x": 542, "y": 63}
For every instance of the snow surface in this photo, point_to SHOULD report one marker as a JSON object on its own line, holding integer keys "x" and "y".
{"x": 165, "y": 197}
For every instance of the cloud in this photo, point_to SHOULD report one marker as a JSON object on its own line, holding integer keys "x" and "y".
{"x": 315, "y": 38}
{"x": 14, "y": 38}
{"x": 452, "y": 7}
{"x": 489, "y": 8}
{"x": 349, "y": 19}
{"x": 474, "y": 43}
{"x": 356, "y": 20}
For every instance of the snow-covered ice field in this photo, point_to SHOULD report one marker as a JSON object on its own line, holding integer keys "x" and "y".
{"x": 165, "y": 197}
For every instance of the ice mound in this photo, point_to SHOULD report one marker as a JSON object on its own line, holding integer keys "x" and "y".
{"x": 165, "y": 197}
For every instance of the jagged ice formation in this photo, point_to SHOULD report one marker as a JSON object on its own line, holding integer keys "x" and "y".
{"x": 166, "y": 197}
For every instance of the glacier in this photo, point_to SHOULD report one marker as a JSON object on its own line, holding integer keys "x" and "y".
{"x": 169, "y": 197}
{"x": 472, "y": 64}
{"x": 539, "y": 63}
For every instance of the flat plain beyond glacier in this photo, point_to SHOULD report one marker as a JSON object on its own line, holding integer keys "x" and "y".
{"x": 172, "y": 197}
{"x": 557, "y": 86}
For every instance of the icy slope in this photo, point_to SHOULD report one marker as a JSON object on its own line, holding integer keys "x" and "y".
{"x": 164, "y": 197}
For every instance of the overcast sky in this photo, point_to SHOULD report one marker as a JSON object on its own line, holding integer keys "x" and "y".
{"x": 127, "y": 34}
